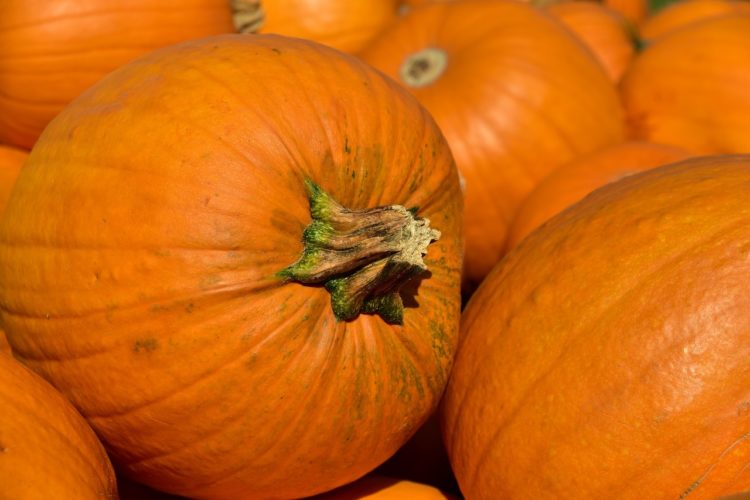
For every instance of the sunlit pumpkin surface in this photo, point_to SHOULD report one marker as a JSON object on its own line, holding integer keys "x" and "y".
{"x": 140, "y": 252}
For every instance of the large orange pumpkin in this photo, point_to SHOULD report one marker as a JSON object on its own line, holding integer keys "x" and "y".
{"x": 685, "y": 12}
{"x": 346, "y": 25}
{"x": 573, "y": 181}
{"x": 634, "y": 11}
{"x": 689, "y": 88}
{"x": 51, "y": 51}
{"x": 516, "y": 95}
{"x": 146, "y": 266}
{"x": 11, "y": 160}
{"x": 374, "y": 487}
{"x": 47, "y": 450}
{"x": 607, "y": 356}
{"x": 605, "y": 31}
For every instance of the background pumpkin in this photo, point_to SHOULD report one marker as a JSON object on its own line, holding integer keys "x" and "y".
{"x": 604, "y": 31}
{"x": 11, "y": 160}
{"x": 156, "y": 304}
{"x": 347, "y": 25}
{"x": 571, "y": 182}
{"x": 515, "y": 94}
{"x": 51, "y": 51}
{"x": 633, "y": 10}
{"x": 48, "y": 449}
{"x": 385, "y": 488}
{"x": 688, "y": 88}
{"x": 685, "y": 12}
{"x": 612, "y": 345}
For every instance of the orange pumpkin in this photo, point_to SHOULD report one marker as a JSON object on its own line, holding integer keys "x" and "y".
{"x": 347, "y": 25}
{"x": 164, "y": 302}
{"x": 633, "y": 10}
{"x": 385, "y": 488}
{"x": 573, "y": 181}
{"x": 51, "y": 51}
{"x": 46, "y": 448}
{"x": 515, "y": 94}
{"x": 612, "y": 345}
{"x": 688, "y": 88}
{"x": 683, "y": 13}
{"x": 11, "y": 160}
{"x": 602, "y": 29}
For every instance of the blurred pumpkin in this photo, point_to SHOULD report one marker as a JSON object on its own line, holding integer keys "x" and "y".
{"x": 634, "y": 11}
{"x": 685, "y": 12}
{"x": 47, "y": 450}
{"x": 514, "y": 92}
{"x": 604, "y": 31}
{"x": 571, "y": 182}
{"x": 612, "y": 345}
{"x": 11, "y": 160}
{"x": 52, "y": 51}
{"x": 346, "y": 25}
{"x": 385, "y": 488}
{"x": 689, "y": 88}
{"x": 172, "y": 301}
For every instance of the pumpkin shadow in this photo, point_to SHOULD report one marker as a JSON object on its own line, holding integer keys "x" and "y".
{"x": 410, "y": 290}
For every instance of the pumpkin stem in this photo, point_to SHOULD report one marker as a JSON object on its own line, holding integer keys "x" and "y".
{"x": 248, "y": 15}
{"x": 424, "y": 67}
{"x": 363, "y": 257}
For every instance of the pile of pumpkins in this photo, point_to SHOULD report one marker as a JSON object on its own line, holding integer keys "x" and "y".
{"x": 374, "y": 249}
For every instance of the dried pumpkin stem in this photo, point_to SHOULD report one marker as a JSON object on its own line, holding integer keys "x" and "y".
{"x": 423, "y": 68}
{"x": 248, "y": 15}
{"x": 363, "y": 257}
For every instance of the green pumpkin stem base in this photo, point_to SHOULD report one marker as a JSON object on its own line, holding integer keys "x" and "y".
{"x": 362, "y": 257}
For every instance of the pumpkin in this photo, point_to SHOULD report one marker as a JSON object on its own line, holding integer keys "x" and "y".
{"x": 11, "y": 160}
{"x": 231, "y": 285}
{"x": 47, "y": 449}
{"x": 680, "y": 14}
{"x": 385, "y": 488}
{"x": 573, "y": 181}
{"x": 634, "y": 11}
{"x": 688, "y": 88}
{"x": 608, "y": 354}
{"x": 602, "y": 29}
{"x": 347, "y": 25}
{"x": 515, "y": 94}
{"x": 51, "y": 52}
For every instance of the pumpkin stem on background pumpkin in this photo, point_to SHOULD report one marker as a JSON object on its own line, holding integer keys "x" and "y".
{"x": 424, "y": 67}
{"x": 248, "y": 15}
{"x": 363, "y": 257}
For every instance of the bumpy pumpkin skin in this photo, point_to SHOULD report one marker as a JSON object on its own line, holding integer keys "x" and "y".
{"x": 155, "y": 304}
{"x": 604, "y": 31}
{"x": 346, "y": 25}
{"x": 573, "y": 181}
{"x": 519, "y": 96}
{"x": 689, "y": 88}
{"x": 680, "y": 14}
{"x": 47, "y": 450}
{"x": 607, "y": 356}
{"x": 52, "y": 51}
{"x": 11, "y": 160}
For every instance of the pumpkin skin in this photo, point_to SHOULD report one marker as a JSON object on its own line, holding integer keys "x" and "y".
{"x": 513, "y": 80}
{"x": 346, "y": 25}
{"x": 686, "y": 12}
{"x": 586, "y": 361}
{"x": 52, "y": 51}
{"x": 11, "y": 160}
{"x": 634, "y": 11}
{"x": 674, "y": 88}
{"x": 173, "y": 333}
{"x": 48, "y": 449}
{"x": 385, "y": 488}
{"x": 571, "y": 182}
{"x": 602, "y": 29}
